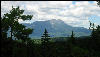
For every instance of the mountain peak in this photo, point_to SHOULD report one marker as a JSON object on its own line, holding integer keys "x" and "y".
{"x": 56, "y": 28}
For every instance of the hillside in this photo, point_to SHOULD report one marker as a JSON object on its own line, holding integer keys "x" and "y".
{"x": 56, "y": 28}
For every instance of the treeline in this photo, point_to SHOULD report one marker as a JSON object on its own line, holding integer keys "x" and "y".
{"x": 18, "y": 44}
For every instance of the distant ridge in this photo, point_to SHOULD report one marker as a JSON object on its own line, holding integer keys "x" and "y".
{"x": 56, "y": 28}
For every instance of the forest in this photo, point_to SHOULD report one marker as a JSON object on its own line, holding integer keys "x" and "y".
{"x": 19, "y": 44}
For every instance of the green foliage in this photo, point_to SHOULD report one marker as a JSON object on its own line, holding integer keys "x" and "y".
{"x": 18, "y": 31}
{"x": 45, "y": 44}
{"x": 10, "y": 22}
{"x": 95, "y": 31}
{"x": 79, "y": 52}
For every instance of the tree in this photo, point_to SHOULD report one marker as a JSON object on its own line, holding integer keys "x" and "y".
{"x": 4, "y": 27}
{"x": 71, "y": 43}
{"x": 10, "y": 22}
{"x": 45, "y": 38}
{"x": 45, "y": 44}
{"x": 72, "y": 38}
{"x": 95, "y": 36}
{"x": 92, "y": 27}
{"x": 95, "y": 30}
{"x": 98, "y": 2}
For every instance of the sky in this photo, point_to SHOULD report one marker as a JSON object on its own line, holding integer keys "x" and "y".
{"x": 74, "y": 13}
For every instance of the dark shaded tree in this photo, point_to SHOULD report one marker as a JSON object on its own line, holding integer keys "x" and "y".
{"x": 98, "y": 2}
{"x": 72, "y": 38}
{"x": 71, "y": 43}
{"x": 95, "y": 31}
{"x": 10, "y": 20}
{"x": 45, "y": 44}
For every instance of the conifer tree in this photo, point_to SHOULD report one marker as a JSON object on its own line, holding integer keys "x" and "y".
{"x": 71, "y": 44}
{"x": 95, "y": 36}
{"x": 92, "y": 27}
{"x": 72, "y": 38}
{"x": 45, "y": 44}
{"x": 45, "y": 38}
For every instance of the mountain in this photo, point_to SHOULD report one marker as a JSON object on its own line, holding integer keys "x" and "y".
{"x": 55, "y": 28}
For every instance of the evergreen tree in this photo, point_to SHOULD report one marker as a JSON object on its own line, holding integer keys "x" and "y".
{"x": 72, "y": 43}
{"x": 45, "y": 44}
{"x": 45, "y": 38}
{"x": 95, "y": 36}
{"x": 95, "y": 31}
{"x": 92, "y": 27}
{"x": 72, "y": 38}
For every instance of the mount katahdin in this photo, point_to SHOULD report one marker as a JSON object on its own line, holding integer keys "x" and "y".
{"x": 55, "y": 28}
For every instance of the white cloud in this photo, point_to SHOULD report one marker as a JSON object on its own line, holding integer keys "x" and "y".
{"x": 73, "y": 14}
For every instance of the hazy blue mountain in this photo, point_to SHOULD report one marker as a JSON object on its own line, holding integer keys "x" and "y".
{"x": 56, "y": 28}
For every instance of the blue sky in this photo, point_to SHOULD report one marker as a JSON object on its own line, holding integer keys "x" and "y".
{"x": 95, "y": 19}
{"x": 74, "y": 13}
{"x": 78, "y": 1}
